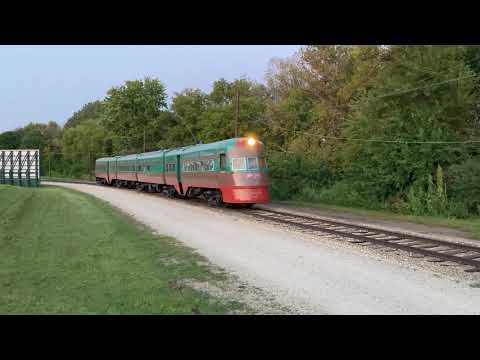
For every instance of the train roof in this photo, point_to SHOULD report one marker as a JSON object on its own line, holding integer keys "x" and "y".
{"x": 105, "y": 159}
{"x": 151, "y": 154}
{"x": 127, "y": 157}
{"x": 218, "y": 145}
{"x": 215, "y": 146}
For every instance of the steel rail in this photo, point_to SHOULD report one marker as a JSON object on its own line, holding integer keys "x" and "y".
{"x": 446, "y": 250}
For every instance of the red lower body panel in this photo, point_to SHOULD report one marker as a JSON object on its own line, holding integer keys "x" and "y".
{"x": 245, "y": 194}
{"x": 101, "y": 175}
{"x": 129, "y": 176}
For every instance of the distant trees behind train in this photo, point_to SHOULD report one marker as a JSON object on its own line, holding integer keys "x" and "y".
{"x": 371, "y": 126}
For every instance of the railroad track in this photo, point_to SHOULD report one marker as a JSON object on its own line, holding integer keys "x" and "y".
{"x": 433, "y": 250}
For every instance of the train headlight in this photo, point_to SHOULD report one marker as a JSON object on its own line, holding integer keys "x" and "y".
{"x": 251, "y": 141}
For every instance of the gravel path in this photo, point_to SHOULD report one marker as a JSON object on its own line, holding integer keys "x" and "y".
{"x": 305, "y": 274}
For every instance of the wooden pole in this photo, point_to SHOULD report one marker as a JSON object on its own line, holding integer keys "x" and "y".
{"x": 237, "y": 112}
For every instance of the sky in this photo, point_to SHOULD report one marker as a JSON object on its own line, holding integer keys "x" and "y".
{"x": 43, "y": 83}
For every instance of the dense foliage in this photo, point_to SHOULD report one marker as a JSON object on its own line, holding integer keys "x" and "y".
{"x": 394, "y": 127}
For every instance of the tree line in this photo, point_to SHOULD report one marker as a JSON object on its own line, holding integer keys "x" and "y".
{"x": 394, "y": 127}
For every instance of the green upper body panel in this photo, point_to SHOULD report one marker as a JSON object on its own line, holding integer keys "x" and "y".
{"x": 127, "y": 158}
{"x": 127, "y": 163}
{"x": 154, "y": 162}
{"x": 151, "y": 162}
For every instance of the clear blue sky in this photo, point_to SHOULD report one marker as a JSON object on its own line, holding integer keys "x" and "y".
{"x": 42, "y": 83}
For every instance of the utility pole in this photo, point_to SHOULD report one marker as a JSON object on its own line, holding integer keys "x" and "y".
{"x": 236, "y": 112}
{"x": 90, "y": 162}
{"x": 189, "y": 129}
{"x": 144, "y": 138}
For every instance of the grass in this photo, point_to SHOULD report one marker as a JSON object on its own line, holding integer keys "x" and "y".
{"x": 60, "y": 178}
{"x": 65, "y": 252}
{"x": 470, "y": 226}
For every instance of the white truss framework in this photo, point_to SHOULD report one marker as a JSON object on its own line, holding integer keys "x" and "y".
{"x": 21, "y": 167}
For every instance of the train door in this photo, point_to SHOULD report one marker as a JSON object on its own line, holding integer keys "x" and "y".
{"x": 223, "y": 163}
{"x": 143, "y": 170}
{"x": 115, "y": 169}
{"x": 222, "y": 170}
{"x": 179, "y": 175}
{"x": 136, "y": 162}
{"x": 108, "y": 172}
{"x": 164, "y": 168}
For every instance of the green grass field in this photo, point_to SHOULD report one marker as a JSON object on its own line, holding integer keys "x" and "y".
{"x": 470, "y": 226}
{"x": 64, "y": 252}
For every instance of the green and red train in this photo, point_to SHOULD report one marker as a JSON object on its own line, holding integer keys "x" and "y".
{"x": 231, "y": 171}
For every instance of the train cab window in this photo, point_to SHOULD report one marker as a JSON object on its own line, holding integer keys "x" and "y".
{"x": 223, "y": 162}
{"x": 239, "y": 164}
{"x": 252, "y": 163}
{"x": 262, "y": 163}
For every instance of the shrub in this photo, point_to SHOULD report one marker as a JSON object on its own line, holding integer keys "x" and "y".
{"x": 463, "y": 184}
{"x": 341, "y": 193}
{"x": 429, "y": 198}
{"x": 290, "y": 173}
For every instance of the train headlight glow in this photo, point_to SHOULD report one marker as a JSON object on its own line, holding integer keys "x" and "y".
{"x": 251, "y": 141}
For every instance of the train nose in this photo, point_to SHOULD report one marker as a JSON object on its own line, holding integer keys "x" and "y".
{"x": 252, "y": 194}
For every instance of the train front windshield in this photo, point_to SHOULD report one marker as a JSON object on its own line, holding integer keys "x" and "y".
{"x": 249, "y": 163}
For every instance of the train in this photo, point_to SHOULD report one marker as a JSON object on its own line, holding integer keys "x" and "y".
{"x": 228, "y": 172}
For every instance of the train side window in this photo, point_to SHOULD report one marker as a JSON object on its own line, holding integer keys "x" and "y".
{"x": 223, "y": 162}
{"x": 171, "y": 167}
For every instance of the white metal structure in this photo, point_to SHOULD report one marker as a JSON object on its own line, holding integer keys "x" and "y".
{"x": 20, "y": 167}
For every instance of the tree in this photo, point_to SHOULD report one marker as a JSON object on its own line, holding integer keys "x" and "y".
{"x": 218, "y": 122}
{"x": 211, "y": 117}
{"x": 425, "y": 94}
{"x": 82, "y": 145}
{"x": 132, "y": 108}
{"x": 283, "y": 75}
{"x": 91, "y": 111}
{"x": 187, "y": 108}
{"x": 311, "y": 95}
{"x": 11, "y": 139}
{"x": 46, "y": 138}
{"x": 34, "y": 137}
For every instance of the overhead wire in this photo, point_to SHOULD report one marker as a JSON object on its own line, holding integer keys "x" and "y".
{"x": 399, "y": 141}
